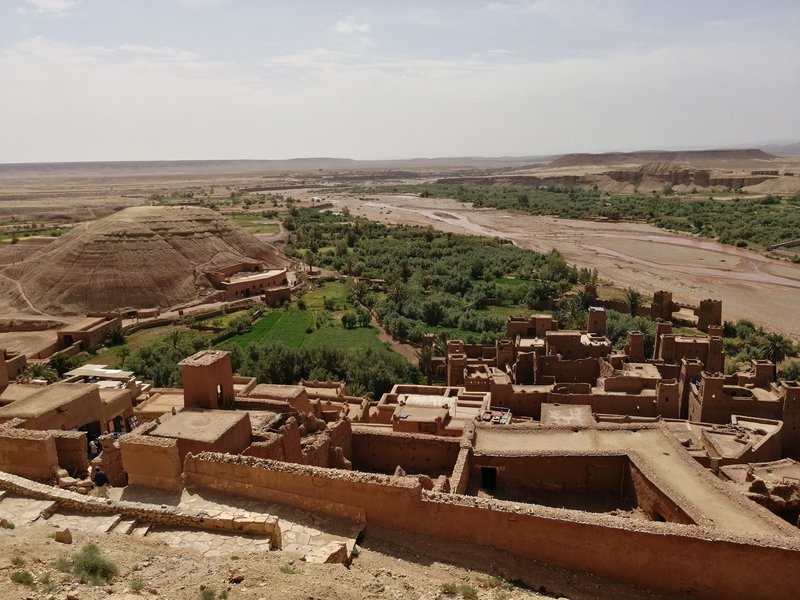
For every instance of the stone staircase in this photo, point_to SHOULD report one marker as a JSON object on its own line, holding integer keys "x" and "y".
{"x": 210, "y": 523}
{"x": 22, "y": 511}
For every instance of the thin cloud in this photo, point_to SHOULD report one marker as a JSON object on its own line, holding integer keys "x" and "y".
{"x": 56, "y": 8}
{"x": 350, "y": 26}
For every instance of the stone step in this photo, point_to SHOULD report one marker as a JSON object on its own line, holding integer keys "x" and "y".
{"x": 140, "y": 529}
{"x": 125, "y": 526}
{"x": 19, "y": 510}
{"x": 85, "y": 521}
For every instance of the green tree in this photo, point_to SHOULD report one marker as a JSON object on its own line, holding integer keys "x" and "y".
{"x": 174, "y": 338}
{"x": 62, "y": 363}
{"x": 123, "y": 353}
{"x": 776, "y": 347}
{"x": 425, "y": 363}
{"x": 41, "y": 371}
{"x": 634, "y": 300}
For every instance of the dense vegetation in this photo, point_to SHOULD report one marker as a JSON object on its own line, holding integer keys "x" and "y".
{"x": 434, "y": 281}
{"x": 735, "y": 219}
{"x": 369, "y": 370}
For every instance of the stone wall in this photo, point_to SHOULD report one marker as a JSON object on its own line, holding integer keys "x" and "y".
{"x": 152, "y": 461}
{"x": 72, "y": 450}
{"x": 382, "y": 452}
{"x": 684, "y": 559}
{"x": 28, "y": 453}
{"x": 167, "y": 516}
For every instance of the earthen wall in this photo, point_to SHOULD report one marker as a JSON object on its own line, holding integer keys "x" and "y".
{"x": 664, "y": 556}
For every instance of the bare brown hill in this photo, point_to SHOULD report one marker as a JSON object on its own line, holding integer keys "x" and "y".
{"x": 138, "y": 257}
{"x": 687, "y": 156}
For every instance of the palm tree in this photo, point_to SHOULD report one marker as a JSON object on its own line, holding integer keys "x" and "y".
{"x": 425, "y": 362}
{"x": 571, "y": 315}
{"x": 775, "y": 347}
{"x": 175, "y": 338}
{"x": 357, "y": 390}
{"x": 440, "y": 344}
{"x": 634, "y": 300}
{"x": 41, "y": 371}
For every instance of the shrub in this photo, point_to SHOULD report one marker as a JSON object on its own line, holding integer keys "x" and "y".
{"x": 62, "y": 564}
{"x": 90, "y": 566}
{"x": 449, "y": 589}
{"x": 349, "y": 320}
{"x": 467, "y": 591}
{"x": 17, "y": 560}
{"x": 22, "y": 577}
{"x": 289, "y": 570}
{"x": 137, "y": 583}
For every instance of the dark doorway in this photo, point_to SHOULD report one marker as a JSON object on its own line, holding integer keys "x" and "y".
{"x": 488, "y": 478}
{"x": 93, "y": 430}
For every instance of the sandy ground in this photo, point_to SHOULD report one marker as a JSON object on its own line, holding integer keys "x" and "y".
{"x": 750, "y": 285}
{"x": 391, "y": 565}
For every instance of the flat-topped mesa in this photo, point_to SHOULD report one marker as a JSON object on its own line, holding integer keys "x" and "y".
{"x": 142, "y": 257}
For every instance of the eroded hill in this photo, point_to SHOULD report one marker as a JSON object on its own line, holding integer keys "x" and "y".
{"x": 138, "y": 257}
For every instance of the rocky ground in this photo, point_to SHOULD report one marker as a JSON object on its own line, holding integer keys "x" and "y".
{"x": 390, "y": 565}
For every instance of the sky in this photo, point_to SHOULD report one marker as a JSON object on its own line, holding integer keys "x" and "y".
{"x": 85, "y": 80}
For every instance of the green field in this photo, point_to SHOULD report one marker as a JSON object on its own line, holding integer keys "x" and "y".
{"x": 339, "y": 337}
{"x": 140, "y": 339}
{"x": 291, "y": 326}
{"x": 255, "y": 223}
{"x": 224, "y": 320}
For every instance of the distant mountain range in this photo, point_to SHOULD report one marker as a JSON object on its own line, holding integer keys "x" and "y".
{"x": 783, "y": 149}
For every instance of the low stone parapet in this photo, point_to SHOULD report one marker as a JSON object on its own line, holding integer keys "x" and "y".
{"x": 168, "y": 516}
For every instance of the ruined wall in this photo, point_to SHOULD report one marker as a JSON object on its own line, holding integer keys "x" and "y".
{"x": 151, "y": 461}
{"x": 110, "y": 460}
{"x": 584, "y": 370}
{"x": 269, "y": 446}
{"x": 232, "y": 441}
{"x": 382, "y": 452}
{"x": 28, "y": 453}
{"x": 664, "y": 556}
{"x": 524, "y": 402}
{"x": 573, "y": 473}
{"x": 618, "y": 404}
{"x": 71, "y": 448}
{"x": 653, "y": 501}
{"x": 341, "y": 435}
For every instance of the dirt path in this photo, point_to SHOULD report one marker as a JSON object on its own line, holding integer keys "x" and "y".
{"x": 409, "y": 352}
{"x": 23, "y": 295}
{"x": 750, "y": 285}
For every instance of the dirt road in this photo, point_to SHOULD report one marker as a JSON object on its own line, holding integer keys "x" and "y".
{"x": 750, "y": 285}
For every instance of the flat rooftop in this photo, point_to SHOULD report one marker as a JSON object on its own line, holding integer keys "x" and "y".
{"x": 257, "y": 276}
{"x": 198, "y": 425}
{"x": 276, "y": 391}
{"x": 567, "y": 414}
{"x": 18, "y": 391}
{"x": 203, "y": 358}
{"x": 101, "y": 371}
{"x": 84, "y": 324}
{"x": 646, "y": 370}
{"x": 420, "y": 414}
{"x": 49, "y": 398}
{"x": 161, "y": 402}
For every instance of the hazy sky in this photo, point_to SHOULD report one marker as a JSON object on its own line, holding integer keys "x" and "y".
{"x": 203, "y": 79}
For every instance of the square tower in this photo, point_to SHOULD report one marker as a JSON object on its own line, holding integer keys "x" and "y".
{"x": 208, "y": 379}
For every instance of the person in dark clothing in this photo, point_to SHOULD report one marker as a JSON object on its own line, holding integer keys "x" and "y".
{"x": 100, "y": 480}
